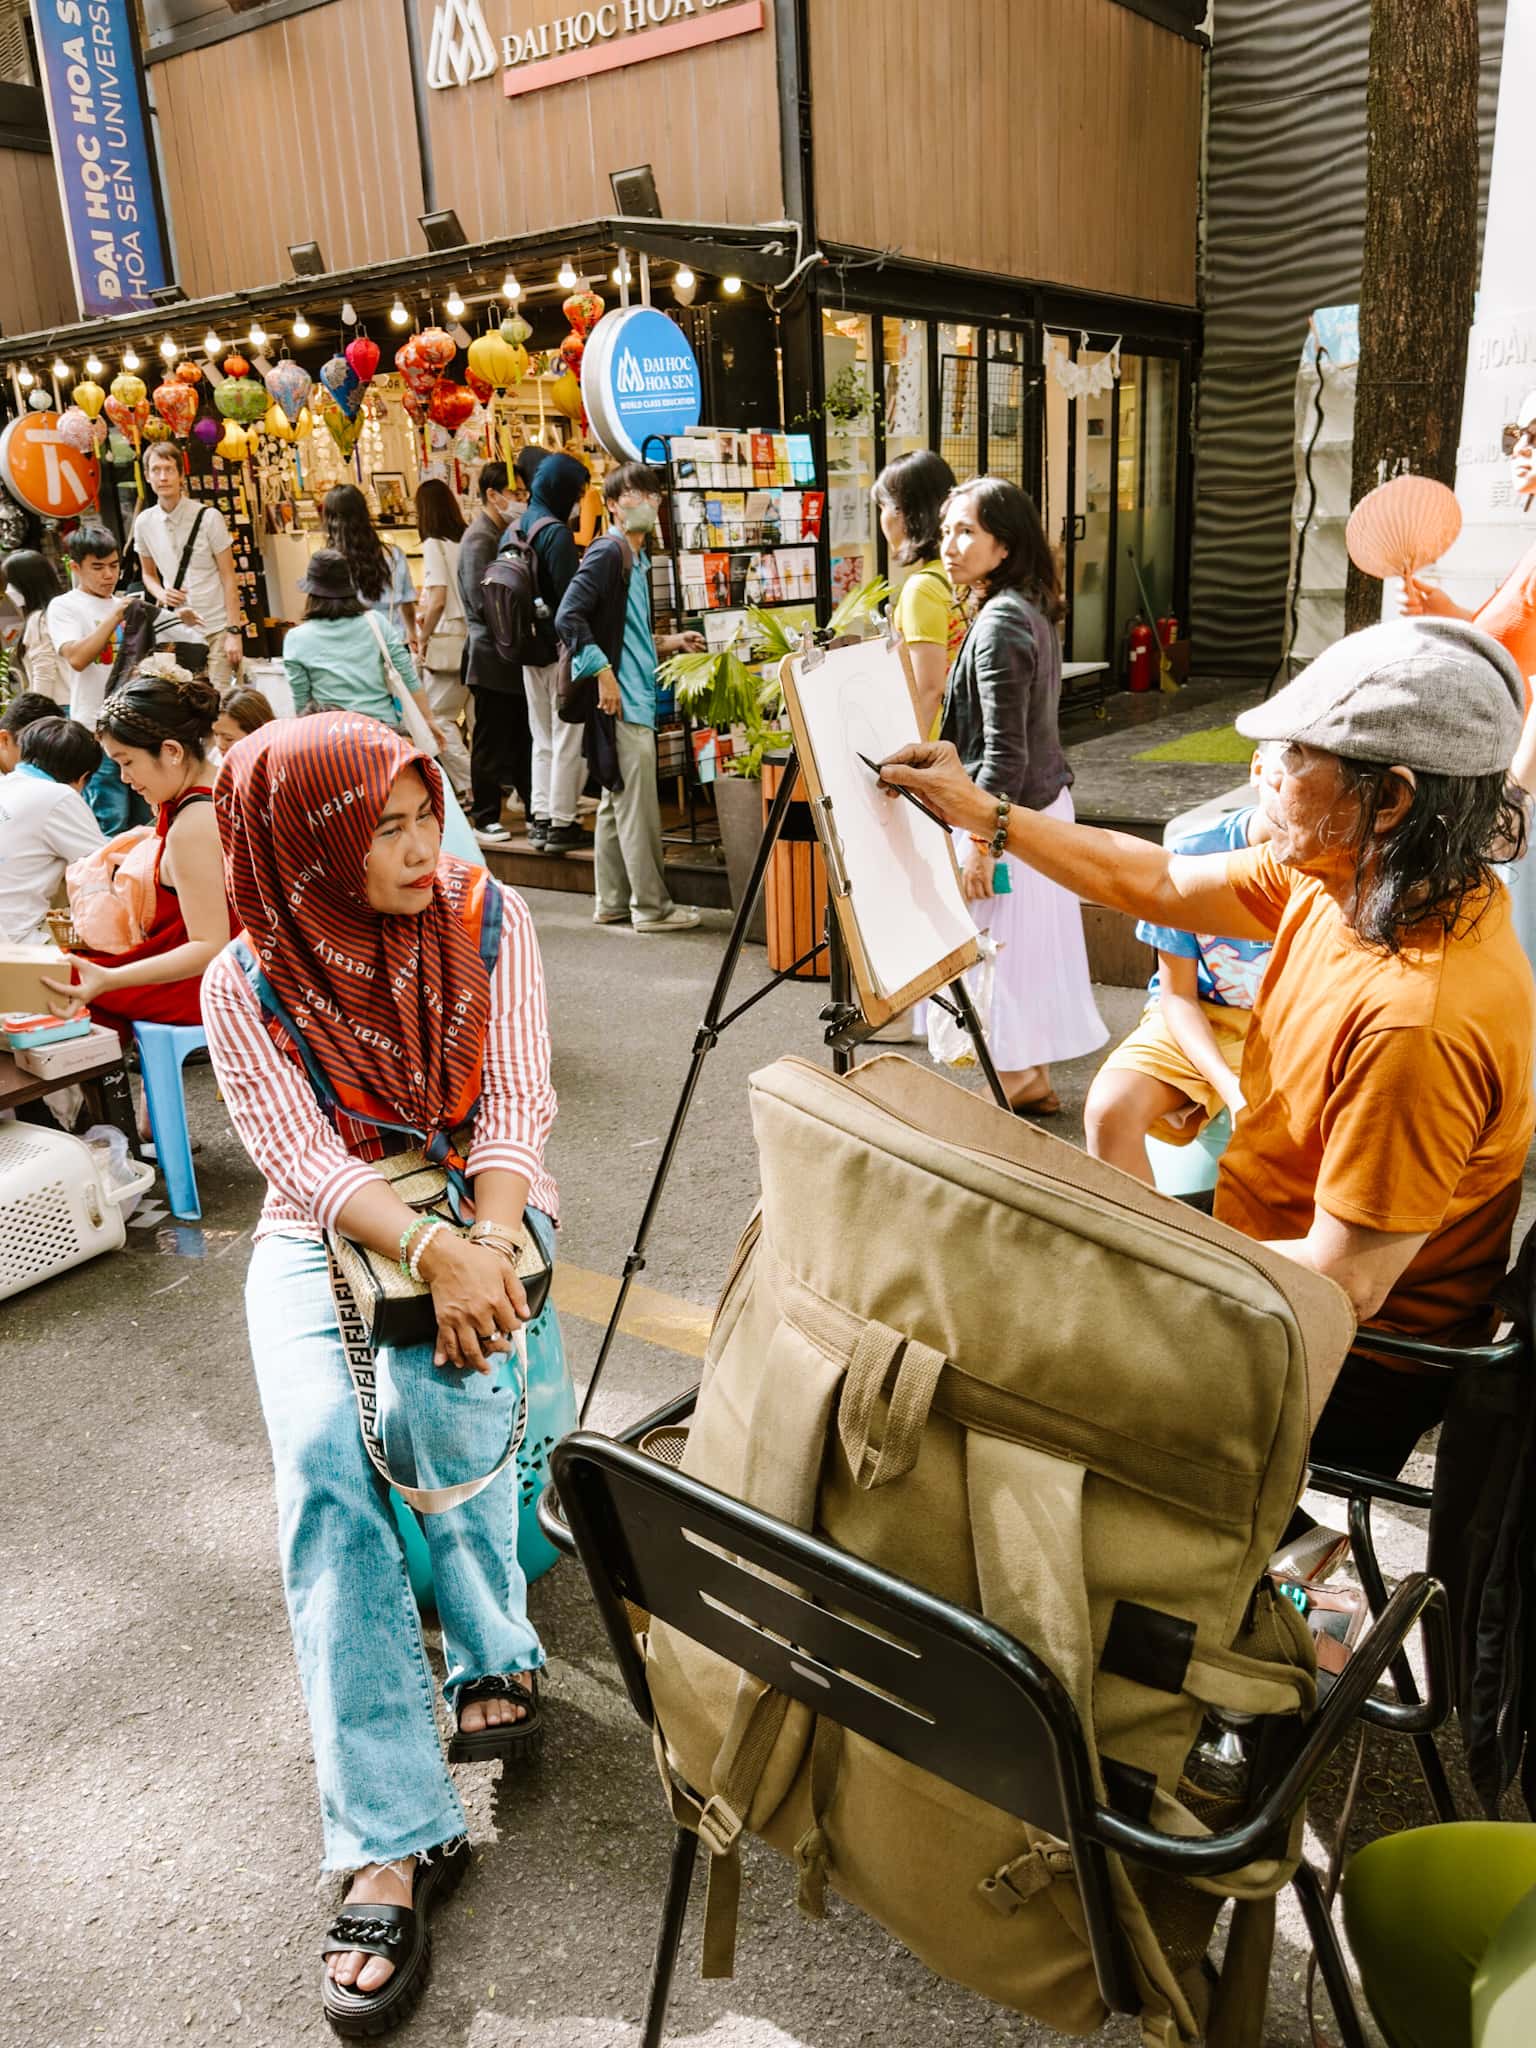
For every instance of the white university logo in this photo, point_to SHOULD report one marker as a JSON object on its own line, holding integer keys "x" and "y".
{"x": 628, "y": 377}
{"x": 462, "y": 49}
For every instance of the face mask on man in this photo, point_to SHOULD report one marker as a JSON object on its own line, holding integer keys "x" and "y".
{"x": 640, "y": 518}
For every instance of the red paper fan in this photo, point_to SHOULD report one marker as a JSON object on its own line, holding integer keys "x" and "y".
{"x": 1401, "y": 527}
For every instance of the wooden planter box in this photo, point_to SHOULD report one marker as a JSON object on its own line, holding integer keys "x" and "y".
{"x": 796, "y": 890}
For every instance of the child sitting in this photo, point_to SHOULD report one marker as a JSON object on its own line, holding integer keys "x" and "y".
{"x": 1180, "y": 1066}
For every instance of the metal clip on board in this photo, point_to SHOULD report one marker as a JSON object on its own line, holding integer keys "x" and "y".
{"x": 811, "y": 656}
{"x": 832, "y": 846}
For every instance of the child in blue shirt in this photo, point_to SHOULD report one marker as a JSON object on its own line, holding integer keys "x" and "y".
{"x": 1181, "y": 1065}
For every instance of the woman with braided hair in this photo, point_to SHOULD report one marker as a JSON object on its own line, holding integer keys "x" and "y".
{"x": 158, "y": 728}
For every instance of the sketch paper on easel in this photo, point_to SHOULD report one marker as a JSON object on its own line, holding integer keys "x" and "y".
{"x": 903, "y": 887}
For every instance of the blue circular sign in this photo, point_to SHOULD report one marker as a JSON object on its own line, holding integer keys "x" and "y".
{"x": 639, "y": 378}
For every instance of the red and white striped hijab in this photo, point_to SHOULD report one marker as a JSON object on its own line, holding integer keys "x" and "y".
{"x": 394, "y": 1009}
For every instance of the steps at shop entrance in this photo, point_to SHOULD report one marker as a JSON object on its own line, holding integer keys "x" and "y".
{"x": 695, "y": 875}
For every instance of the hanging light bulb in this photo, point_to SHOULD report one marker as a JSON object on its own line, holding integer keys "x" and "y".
{"x": 300, "y": 327}
{"x": 348, "y": 316}
{"x": 453, "y": 305}
{"x": 621, "y": 272}
{"x": 258, "y": 335}
{"x": 683, "y": 277}
{"x": 60, "y": 371}
{"x": 732, "y": 285}
{"x": 130, "y": 360}
{"x": 169, "y": 349}
{"x": 94, "y": 366}
{"x": 398, "y": 316}
{"x": 510, "y": 288}
{"x": 25, "y": 378}
{"x": 566, "y": 276}
{"x": 211, "y": 343}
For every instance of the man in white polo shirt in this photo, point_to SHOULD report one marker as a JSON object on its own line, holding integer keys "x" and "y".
{"x": 45, "y": 823}
{"x": 204, "y": 595}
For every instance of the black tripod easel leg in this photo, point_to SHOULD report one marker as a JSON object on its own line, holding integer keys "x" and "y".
{"x": 705, "y": 1041}
{"x": 973, "y": 1024}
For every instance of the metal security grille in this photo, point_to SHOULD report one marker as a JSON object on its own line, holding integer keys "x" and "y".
{"x": 959, "y": 434}
{"x": 1002, "y": 438}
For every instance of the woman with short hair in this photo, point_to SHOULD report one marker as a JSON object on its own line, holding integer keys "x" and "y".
{"x": 1001, "y": 713}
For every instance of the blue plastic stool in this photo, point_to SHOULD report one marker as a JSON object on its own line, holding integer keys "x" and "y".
{"x": 1190, "y": 1169}
{"x": 551, "y": 1415}
{"x": 162, "y": 1048}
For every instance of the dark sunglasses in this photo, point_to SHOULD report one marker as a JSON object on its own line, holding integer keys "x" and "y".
{"x": 1512, "y": 436}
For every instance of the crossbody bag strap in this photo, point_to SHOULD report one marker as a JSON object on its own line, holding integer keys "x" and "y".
{"x": 186, "y": 554}
{"x": 362, "y": 1369}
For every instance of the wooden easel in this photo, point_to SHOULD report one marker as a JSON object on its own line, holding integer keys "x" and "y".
{"x": 853, "y": 1012}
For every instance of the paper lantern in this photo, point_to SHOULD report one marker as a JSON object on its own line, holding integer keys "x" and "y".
{"x": 515, "y": 329}
{"x": 289, "y": 383}
{"x": 566, "y": 396}
{"x": 304, "y": 425}
{"x": 123, "y": 418}
{"x": 234, "y": 444}
{"x": 415, "y": 405}
{"x": 76, "y": 428}
{"x": 241, "y": 398}
{"x": 236, "y": 366}
{"x": 343, "y": 428}
{"x": 120, "y": 449}
{"x": 99, "y": 432}
{"x": 207, "y": 430}
{"x": 89, "y": 397}
{"x": 363, "y": 358}
{"x": 1402, "y": 526}
{"x": 481, "y": 386}
{"x": 157, "y": 430}
{"x": 450, "y": 404}
{"x": 40, "y": 401}
{"x": 277, "y": 424}
{"x": 176, "y": 404}
{"x": 342, "y": 383}
{"x": 583, "y": 310}
{"x": 438, "y": 347}
{"x": 187, "y": 373}
{"x": 126, "y": 388}
{"x": 496, "y": 362}
{"x": 571, "y": 351}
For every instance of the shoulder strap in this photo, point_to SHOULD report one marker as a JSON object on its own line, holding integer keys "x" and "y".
{"x": 489, "y": 898}
{"x": 272, "y": 1007}
{"x": 186, "y": 553}
{"x": 545, "y": 519}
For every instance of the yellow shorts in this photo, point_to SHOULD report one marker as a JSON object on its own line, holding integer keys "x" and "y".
{"x": 1151, "y": 1049}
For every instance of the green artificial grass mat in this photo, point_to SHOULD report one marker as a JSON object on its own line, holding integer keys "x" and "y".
{"x": 1218, "y": 744}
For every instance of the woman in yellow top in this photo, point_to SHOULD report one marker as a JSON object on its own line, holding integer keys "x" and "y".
{"x": 909, "y": 493}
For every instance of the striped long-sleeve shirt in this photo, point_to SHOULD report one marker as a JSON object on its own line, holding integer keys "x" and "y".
{"x": 312, "y": 1168}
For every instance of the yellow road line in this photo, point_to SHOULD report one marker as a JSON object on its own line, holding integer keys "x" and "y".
{"x": 661, "y": 1319}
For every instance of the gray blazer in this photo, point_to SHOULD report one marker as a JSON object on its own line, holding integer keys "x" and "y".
{"x": 1001, "y": 705}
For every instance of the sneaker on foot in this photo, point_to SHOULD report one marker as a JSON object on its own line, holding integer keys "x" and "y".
{"x": 680, "y": 918}
{"x": 538, "y": 833}
{"x": 493, "y": 835}
{"x": 610, "y": 917}
{"x": 566, "y": 839}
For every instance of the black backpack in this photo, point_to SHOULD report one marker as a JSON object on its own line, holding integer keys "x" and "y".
{"x": 516, "y": 614}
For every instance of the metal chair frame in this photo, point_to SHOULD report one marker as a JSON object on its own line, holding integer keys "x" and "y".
{"x": 933, "y": 1683}
{"x": 1360, "y": 1489}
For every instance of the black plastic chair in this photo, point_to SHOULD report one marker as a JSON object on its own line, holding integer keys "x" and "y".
{"x": 1360, "y": 1489}
{"x": 951, "y": 1693}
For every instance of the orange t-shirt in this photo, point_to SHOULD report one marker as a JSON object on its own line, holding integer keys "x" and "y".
{"x": 1394, "y": 1091}
{"x": 1510, "y": 616}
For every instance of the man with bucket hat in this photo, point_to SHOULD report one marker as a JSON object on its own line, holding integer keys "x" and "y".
{"x": 1388, "y": 1068}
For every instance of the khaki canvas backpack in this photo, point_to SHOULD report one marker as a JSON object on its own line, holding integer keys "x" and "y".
{"x": 967, "y": 1352}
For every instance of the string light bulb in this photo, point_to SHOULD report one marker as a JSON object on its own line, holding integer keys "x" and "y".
{"x": 730, "y": 285}
{"x": 566, "y": 276}
{"x": 453, "y": 305}
{"x": 211, "y": 343}
{"x": 94, "y": 366}
{"x": 511, "y": 290}
{"x": 621, "y": 272}
{"x": 169, "y": 349}
{"x": 130, "y": 360}
{"x": 60, "y": 371}
{"x": 683, "y": 278}
{"x": 348, "y": 315}
{"x": 25, "y": 378}
{"x": 258, "y": 335}
{"x": 398, "y": 316}
{"x": 300, "y": 327}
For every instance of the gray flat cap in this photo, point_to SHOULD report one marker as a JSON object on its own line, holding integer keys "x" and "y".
{"x": 1433, "y": 694}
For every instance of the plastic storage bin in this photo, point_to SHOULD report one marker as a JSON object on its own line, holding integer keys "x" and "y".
{"x": 56, "y": 1207}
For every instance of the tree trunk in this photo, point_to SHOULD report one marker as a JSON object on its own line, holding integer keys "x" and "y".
{"x": 1418, "y": 268}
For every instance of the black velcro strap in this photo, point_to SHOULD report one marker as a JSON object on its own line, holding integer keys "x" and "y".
{"x": 1148, "y": 1646}
{"x": 1128, "y": 1788}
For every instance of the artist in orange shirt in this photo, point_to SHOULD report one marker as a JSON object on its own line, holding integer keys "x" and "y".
{"x": 1387, "y": 1071}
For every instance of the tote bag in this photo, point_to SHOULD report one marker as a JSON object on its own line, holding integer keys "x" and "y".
{"x": 420, "y": 733}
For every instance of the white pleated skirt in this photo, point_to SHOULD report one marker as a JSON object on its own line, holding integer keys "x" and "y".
{"x": 1042, "y": 1007}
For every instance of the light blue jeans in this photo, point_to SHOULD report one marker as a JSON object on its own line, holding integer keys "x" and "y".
{"x": 385, "y": 1791}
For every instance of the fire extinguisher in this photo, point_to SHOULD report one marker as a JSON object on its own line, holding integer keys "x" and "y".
{"x": 1140, "y": 657}
{"x": 1167, "y": 631}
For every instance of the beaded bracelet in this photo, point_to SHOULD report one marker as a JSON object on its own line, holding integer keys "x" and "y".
{"x": 434, "y": 1225}
{"x": 407, "y": 1237}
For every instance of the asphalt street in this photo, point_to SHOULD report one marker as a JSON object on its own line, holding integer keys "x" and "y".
{"x": 154, "y": 1758}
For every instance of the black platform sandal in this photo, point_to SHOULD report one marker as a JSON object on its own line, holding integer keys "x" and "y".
{"x": 516, "y": 1742}
{"x": 400, "y": 1935}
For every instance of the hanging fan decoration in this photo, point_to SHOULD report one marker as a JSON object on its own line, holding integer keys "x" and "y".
{"x": 1402, "y": 526}
{"x": 289, "y": 384}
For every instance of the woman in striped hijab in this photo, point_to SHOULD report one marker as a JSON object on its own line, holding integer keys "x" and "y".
{"x": 369, "y": 1005}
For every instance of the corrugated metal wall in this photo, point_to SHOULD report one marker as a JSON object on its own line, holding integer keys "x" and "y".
{"x": 1285, "y": 210}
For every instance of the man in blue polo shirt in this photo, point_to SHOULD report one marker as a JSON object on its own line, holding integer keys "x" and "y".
{"x": 605, "y": 621}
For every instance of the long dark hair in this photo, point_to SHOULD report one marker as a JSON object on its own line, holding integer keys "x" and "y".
{"x": 437, "y": 511}
{"x": 1012, "y": 518}
{"x": 161, "y": 703}
{"x": 916, "y": 486}
{"x": 1436, "y": 865}
{"x": 32, "y": 574}
{"x": 350, "y": 530}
